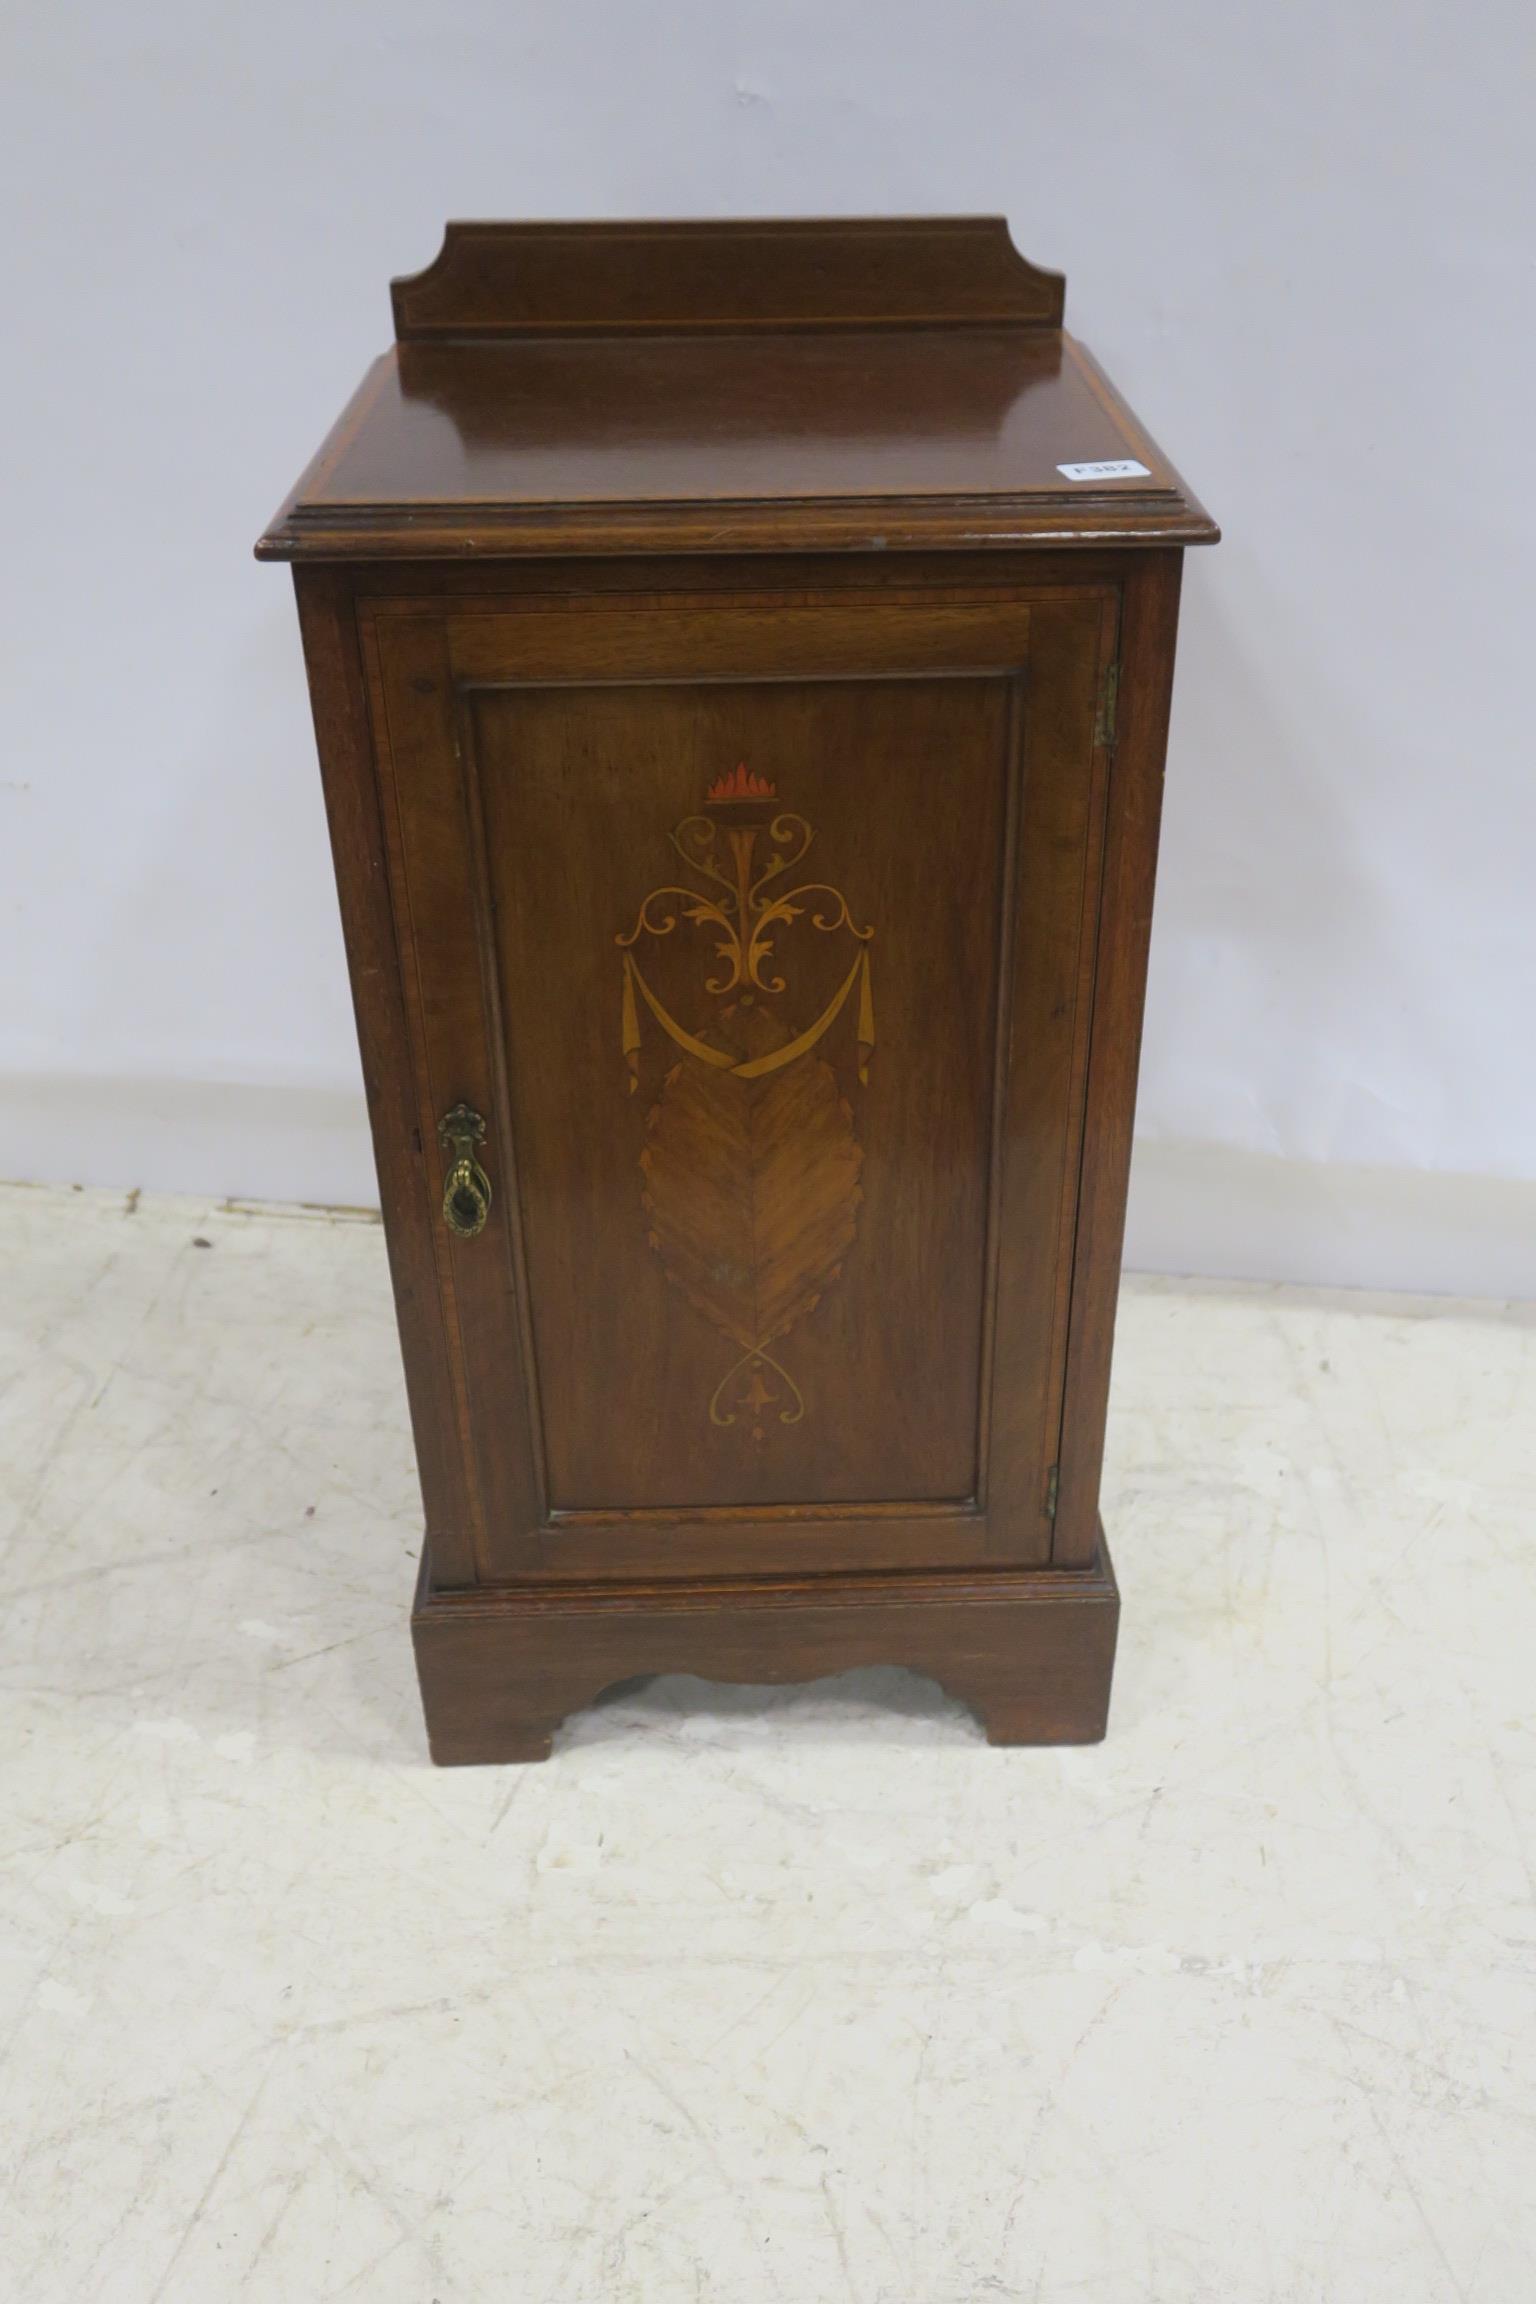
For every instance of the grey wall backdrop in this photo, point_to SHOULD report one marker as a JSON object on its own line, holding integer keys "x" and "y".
{"x": 1300, "y": 240}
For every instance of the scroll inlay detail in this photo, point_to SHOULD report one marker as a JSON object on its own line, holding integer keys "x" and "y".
{"x": 750, "y": 1161}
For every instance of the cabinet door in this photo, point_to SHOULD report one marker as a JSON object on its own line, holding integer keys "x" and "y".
{"x": 759, "y": 931}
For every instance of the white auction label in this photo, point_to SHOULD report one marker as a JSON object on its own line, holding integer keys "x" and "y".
{"x": 1116, "y": 468}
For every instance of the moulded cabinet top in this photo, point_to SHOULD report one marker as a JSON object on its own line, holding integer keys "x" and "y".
{"x": 748, "y": 387}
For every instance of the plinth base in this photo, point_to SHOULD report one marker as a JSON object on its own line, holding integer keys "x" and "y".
{"x": 1031, "y": 1650}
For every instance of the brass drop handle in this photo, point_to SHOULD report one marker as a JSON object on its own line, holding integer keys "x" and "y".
{"x": 466, "y": 1188}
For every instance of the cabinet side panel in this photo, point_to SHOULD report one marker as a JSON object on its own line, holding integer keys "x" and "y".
{"x": 1149, "y": 624}
{"x": 339, "y": 702}
{"x": 1044, "y": 1047}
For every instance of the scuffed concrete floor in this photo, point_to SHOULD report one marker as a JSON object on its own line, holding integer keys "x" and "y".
{"x": 750, "y": 1995}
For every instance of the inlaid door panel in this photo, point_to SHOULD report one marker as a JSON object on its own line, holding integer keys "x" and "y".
{"x": 760, "y": 936}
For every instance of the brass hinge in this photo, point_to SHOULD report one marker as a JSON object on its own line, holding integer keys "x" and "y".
{"x": 1109, "y": 698}
{"x": 1052, "y": 1487}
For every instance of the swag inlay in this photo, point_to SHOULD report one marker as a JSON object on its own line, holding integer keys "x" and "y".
{"x": 750, "y": 1160}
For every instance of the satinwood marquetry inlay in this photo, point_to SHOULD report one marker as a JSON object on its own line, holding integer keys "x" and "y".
{"x": 750, "y": 1160}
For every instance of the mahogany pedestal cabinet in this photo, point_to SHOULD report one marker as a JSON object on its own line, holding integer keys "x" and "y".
{"x": 740, "y": 657}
